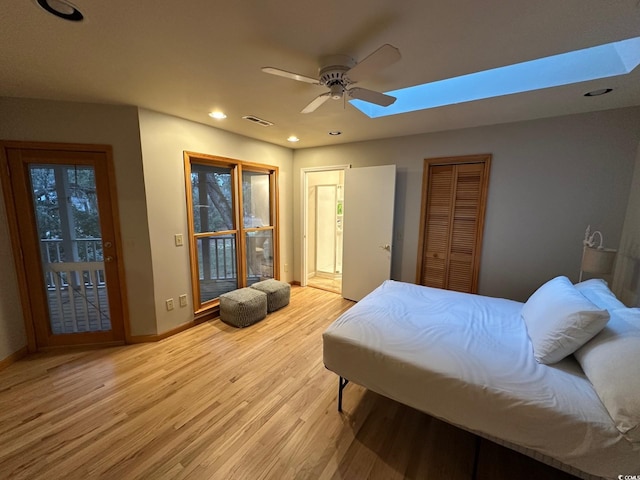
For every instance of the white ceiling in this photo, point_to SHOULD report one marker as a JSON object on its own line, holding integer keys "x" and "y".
{"x": 189, "y": 57}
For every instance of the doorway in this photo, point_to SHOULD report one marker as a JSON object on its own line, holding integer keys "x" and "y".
{"x": 323, "y": 208}
{"x": 61, "y": 206}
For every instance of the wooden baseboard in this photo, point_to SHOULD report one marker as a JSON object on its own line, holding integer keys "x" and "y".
{"x": 14, "y": 357}
{"x": 81, "y": 346}
{"x": 200, "y": 318}
{"x": 160, "y": 336}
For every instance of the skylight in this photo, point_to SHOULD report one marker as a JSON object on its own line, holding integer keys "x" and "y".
{"x": 611, "y": 59}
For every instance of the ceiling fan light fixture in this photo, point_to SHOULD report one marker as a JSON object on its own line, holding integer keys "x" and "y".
{"x": 217, "y": 115}
{"x": 61, "y": 9}
{"x": 337, "y": 91}
{"x": 293, "y": 138}
{"x": 335, "y": 133}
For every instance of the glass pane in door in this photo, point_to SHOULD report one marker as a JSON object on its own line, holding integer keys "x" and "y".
{"x": 217, "y": 270}
{"x": 259, "y": 255}
{"x": 256, "y": 197}
{"x": 212, "y": 199}
{"x": 257, "y": 214}
{"x": 211, "y": 190}
{"x": 68, "y": 224}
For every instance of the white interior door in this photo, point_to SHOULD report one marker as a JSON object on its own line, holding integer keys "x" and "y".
{"x": 369, "y": 195}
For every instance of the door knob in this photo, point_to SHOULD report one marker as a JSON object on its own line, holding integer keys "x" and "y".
{"x": 107, "y": 244}
{"x": 108, "y": 259}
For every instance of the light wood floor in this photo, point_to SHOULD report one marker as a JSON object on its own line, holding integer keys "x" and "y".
{"x": 329, "y": 283}
{"x": 215, "y": 402}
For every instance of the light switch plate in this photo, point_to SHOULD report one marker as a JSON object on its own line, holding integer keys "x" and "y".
{"x": 179, "y": 240}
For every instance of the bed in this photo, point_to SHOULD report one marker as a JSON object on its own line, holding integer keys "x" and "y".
{"x": 472, "y": 361}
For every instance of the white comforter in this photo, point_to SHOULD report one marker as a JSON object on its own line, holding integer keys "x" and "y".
{"x": 467, "y": 359}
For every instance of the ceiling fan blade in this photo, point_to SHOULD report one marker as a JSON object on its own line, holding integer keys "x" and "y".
{"x": 293, "y": 76}
{"x": 371, "y": 96}
{"x": 381, "y": 58}
{"x": 319, "y": 100}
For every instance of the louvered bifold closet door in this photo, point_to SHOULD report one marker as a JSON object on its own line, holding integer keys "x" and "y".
{"x": 441, "y": 190}
{"x": 464, "y": 227}
{"x": 452, "y": 221}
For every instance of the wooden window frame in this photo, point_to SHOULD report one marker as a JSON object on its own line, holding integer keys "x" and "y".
{"x": 237, "y": 168}
{"x": 460, "y": 160}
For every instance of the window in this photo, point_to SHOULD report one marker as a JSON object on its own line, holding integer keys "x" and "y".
{"x": 233, "y": 227}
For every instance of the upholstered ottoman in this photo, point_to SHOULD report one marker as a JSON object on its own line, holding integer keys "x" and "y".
{"x": 243, "y": 307}
{"x": 278, "y": 293}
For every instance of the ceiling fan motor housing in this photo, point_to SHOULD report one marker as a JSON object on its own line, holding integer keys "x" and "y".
{"x": 332, "y": 74}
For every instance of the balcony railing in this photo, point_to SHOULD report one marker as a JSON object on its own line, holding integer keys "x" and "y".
{"x": 75, "y": 281}
{"x": 217, "y": 258}
{"x": 86, "y": 251}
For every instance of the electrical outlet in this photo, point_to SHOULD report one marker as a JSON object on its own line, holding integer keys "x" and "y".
{"x": 286, "y": 267}
{"x": 183, "y": 300}
{"x": 169, "y": 303}
{"x": 179, "y": 239}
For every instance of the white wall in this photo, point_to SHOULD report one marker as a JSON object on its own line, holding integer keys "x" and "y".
{"x": 154, "y": 268}
{"x": 549, "y": 179}
{"x": 163, "y": 139}
{"x": 49, "y": 121}
{"x": 626, "y": 283}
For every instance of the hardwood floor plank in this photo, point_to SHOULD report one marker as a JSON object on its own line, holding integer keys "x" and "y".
{"x": 216, "y": 402}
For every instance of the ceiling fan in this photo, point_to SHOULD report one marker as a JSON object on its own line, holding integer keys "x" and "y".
{"x": 339, "y": 72}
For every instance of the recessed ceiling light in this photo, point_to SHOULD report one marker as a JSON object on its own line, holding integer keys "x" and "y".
{"x": 597, "y": 93}
{"x": 335, "y": 132}
{"x": 61, "y": 9}
{"x": 293, "y": 138}
{"x": 217, "y": 115}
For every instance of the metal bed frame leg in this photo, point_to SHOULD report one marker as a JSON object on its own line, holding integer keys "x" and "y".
{"x": 342, "y": 382}
{"x": 476, "y": 458}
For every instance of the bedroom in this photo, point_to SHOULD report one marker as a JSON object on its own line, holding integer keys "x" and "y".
{"x": 550, "y": 178}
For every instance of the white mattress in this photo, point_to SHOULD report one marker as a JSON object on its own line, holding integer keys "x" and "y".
{"x": 467, "y": 359}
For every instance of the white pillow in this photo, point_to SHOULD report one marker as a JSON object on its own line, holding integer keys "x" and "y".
{"x": 611, "y": 361}
{"x": 597, "y": 292}
{"x": 560, "y": 320}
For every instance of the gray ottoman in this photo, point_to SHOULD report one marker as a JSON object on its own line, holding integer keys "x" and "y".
{"x": 278, "y": 293}
{"x": 243, "y": 307}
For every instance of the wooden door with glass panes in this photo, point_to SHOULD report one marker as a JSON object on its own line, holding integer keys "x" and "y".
{"x": 62, "y": 204}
